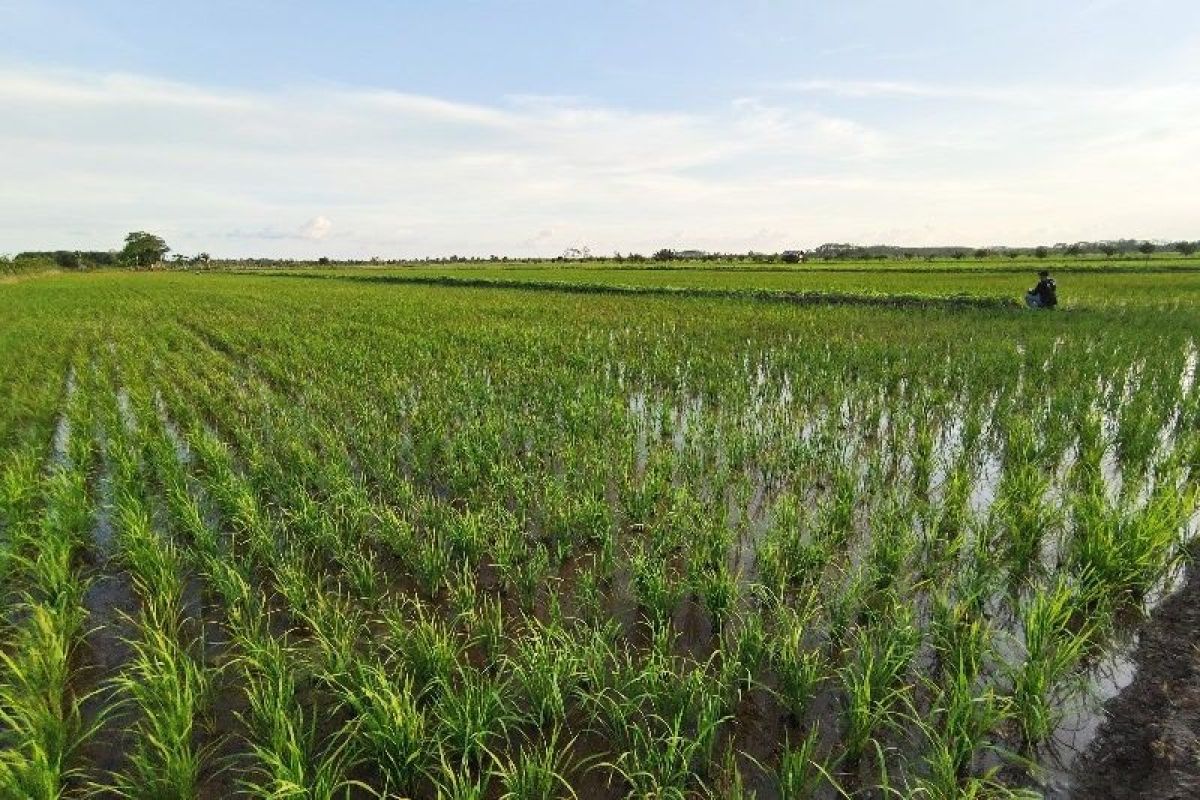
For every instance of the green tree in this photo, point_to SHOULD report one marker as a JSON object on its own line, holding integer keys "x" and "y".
{"x": 65, "y": 259}
{"x": 666, "y": 254}
{"x": 1108, "y": 250}
{"x": 1185, "y": 248}
{"x": 1146, "y": 248}
{"x": 1041, "y": 251}
{"x": 144, "y": 249}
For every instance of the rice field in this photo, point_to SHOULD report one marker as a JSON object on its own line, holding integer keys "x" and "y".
{"x": 311, "y": 536}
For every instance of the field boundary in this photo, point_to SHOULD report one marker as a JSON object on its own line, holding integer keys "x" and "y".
{"x": 892, "y": 300}
{"x": 1019, "y": 267}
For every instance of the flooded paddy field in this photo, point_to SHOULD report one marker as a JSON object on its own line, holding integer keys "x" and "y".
{"x": 273, "y": 536}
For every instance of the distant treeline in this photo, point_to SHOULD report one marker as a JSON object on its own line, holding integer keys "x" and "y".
{"x": 34, "y": 260}
{"x": 663, "y": 259}
{"x": 145, "y": 250}
{"x": 1107, "y": 248}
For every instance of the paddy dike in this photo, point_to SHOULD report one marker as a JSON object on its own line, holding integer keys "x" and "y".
{"x": 1149, "y": 743}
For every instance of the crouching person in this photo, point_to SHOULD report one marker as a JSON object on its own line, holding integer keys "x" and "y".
{"x": 1045, "y": 294}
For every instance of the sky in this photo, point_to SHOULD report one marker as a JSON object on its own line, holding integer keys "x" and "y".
{"x": 397, "y": 129}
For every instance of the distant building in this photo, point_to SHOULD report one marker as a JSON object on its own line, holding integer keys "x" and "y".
{"x": 690, "y": 254}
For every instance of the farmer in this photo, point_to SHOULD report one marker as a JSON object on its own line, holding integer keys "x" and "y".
{"x": 1045, "y": 294}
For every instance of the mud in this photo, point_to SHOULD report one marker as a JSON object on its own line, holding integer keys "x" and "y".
{"x": 110, "y": 604}
{"x": 1149, "y": 743}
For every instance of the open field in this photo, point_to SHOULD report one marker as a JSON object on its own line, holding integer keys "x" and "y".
{"x": 1150, "y": 282}
{"x": 334, "y": 534}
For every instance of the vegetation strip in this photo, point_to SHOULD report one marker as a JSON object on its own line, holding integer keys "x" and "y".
{"x": 764, "y": 295}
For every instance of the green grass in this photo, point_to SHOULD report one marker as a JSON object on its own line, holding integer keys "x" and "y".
{"x": 1091, "y": 285}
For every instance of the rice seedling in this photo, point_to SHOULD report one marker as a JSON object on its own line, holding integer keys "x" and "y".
{"x": 661, "y": 759}
{"x": 457, "y": 531}
{"x": 284, "y": 743}
{"x": 170, "y": 689}
{"x": 874, "y": 680}
{"x": 489, "y": 627}
{"x": 731, "y": 784}
{"x": 42, "y": 724}
{"x": 961, "y": 725}
{"x": 1054, "y": 643}
{"x": 41, "y": 721}
{"x": 802, "y": 772}
{"x": 545, "y": 671}
{"x": 472, "y": 714}
{"x": 718, "y": 591}
{"x": 801, "y": 668}
{"x": 538, "y": 772}
{"x": 1121, "y": 553}
{"x": 748, "y": 647}
{"x": 337, "y": 630}
{"x": 391, "y": 727}
{"x": 422, "y": 646}
{"x": 455, "y": 783}
{"x": 658, "y": 592}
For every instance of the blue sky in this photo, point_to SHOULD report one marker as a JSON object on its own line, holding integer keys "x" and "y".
{"x": 407, "y": 129}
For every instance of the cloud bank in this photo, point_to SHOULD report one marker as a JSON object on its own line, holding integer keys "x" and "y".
{"x": 86, "y": 158}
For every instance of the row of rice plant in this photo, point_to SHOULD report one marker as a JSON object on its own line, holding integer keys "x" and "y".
{"x": 47, "y": 511}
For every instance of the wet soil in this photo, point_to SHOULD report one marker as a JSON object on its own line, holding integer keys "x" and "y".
{"x": 1149, "y": 743}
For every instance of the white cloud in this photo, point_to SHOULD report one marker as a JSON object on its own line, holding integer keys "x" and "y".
{"x": 86, "y": 158}
{"x": 316, "y": 229}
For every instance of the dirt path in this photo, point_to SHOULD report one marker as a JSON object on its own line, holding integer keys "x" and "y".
{"x": 1149, "y": 746}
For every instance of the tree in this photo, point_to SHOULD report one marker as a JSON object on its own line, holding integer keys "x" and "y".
{"x": 65, "y": 259}
{"x": 982, "y": 252}
{"x": 1108, "y": 250}
{"x": 144, "y": 249}
{"x": 1146, "y": 248}
{"x": 666, "y": 254}
{"x": 1041, "y": 251}
{"x": 1185, "y": 248}
{"x": 1074, "y": 250}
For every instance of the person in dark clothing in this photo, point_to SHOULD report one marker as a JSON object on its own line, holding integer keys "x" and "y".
{"x": 1045, "y": 294}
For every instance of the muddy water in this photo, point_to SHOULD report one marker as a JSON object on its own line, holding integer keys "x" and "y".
{"x": 1083, "y": 714}
{"x": 111, "y": 604}
{"x": 1147, "y": 740}
{"x": 183, "y": 451}
{"x": 61, "y": 456}
{"x": 1083, "y": 701}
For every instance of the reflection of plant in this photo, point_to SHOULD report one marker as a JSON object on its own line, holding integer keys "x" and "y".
{"x": 1054, "y": 645}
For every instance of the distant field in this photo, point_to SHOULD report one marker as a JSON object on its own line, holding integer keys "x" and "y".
{"x": 1153, "y": 282}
